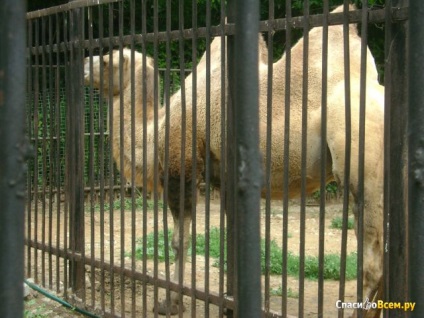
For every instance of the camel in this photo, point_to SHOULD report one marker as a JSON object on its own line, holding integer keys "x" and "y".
{"x": 335, "y": 140}
{"x": 122, "y": 94}
{"x": 373, "y": 175}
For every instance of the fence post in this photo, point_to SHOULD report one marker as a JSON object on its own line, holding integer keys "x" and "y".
{"x": 230, "y": 193}
{"x": 395, "y": 203}
{"x": 75, "y": 150}
{"x": 244, "y": 96}
{"x": 416, "y": 157}
{"x": 13, "y": 152}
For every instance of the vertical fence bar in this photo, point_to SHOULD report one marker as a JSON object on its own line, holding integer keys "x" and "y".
{"x": 302, "y": 225}
{"x": 395, "y": 208}
{"x": 323, "y": 155}
{"x": 286, "y": 160}
{"x": 230, "y": 196}
{"x": 416, "y": 158}
{"x": 13, "y": 151}
{"x": 31, "y": 163}
{"x": 267, "y": 300}
{"x": 223, "y": 163}
{"x": 348, "y": 132}
{"x": 249, "y": 168}
{"x": 75, "y": 151}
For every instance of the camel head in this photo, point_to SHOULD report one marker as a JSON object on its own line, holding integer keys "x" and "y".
{"x": 99, "y": 70}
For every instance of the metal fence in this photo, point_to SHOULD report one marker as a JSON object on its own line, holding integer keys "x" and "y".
{"x": 158, "y": 247}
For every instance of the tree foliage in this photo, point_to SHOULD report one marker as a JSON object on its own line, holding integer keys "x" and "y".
{"x": 200, "y": 13}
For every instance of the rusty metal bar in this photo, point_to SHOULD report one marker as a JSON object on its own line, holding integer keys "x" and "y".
{"x": 13, "y": 150}
{"x": 416, "y": 158}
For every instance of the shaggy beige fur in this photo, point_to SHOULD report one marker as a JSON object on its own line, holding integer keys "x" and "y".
{"x": 373, "y": 222}
{"x": 123, "y": 95}
{"x": 335, "y": 140}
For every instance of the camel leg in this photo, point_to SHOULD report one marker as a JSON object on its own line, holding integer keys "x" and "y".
{"x": 373, "y": 256}
{"x": 183, "y": 220}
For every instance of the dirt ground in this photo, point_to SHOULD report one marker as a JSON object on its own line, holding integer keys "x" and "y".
{"x": 104, "y": 234}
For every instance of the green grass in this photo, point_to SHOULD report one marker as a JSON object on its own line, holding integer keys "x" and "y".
{"x": 127, "y": 204}
{"x": 37, "y": 312}
{"x": 279, "y": 292}
{"x": 337, "y": 223}
{"x": 331, "y": 261}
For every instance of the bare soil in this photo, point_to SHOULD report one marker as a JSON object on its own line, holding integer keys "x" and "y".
{"x": 110, "y": 237}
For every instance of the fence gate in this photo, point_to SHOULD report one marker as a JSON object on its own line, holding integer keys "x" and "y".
{"x": 239, "y": 158}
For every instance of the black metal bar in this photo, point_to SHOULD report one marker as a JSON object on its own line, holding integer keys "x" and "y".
{"x": 346, "y": 181}
{"x": 181, "y": 40}
{"x": 36, "y": 143}
{"x": 360, "y": 195}
{"x": 223, "y": 163}
{"x": 112, "y": 132}
{"x": 270, "y": 38}
{"x": 102, "y": 157}
{"x": 416, "y": 158}
{"x": 122, "y": 131}
{"x": 66, "y": 282}
{"x": 395, "y": 207}
{"x": 286, "y": 160}
{"x": 230, "y": 194}
{"x": 133, "y": 159}
{"x": 249, "y": 168}
{"x": 91, "y": 167}
{"x": 207, "y": 157}
{"x": 194, "y": 171}
{"x": 31, "y": 162}
{"x": 75, "y": 156}
{"x": 66, "y": 7}
{"x": 167, "y": 104}
{"x": 323, "y": 155}
{"x": 377, "y": 16}
{"x": 13, "y": 150}
{"x": 144, "y": 119}
{"x": 58, "y": 179}
{"x": 51, "y": 148}
{"x": 302, "y": 225}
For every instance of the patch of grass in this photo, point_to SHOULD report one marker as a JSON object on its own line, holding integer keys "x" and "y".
{"x": 337, "y": 223}
{"x": 214, "y": 245}
{"x": 127, "y": 204}
{"x": 34, "y": 313}
{"x": 279, "y": 292}
{"x": 275, "y": 266}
